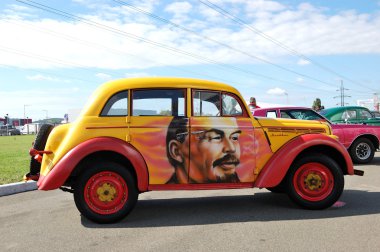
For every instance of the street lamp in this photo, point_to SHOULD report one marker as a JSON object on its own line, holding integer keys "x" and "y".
{"x": 25, "y": 105}
{"x": 287, "y": 98}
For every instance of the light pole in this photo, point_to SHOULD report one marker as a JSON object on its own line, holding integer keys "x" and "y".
{"x": 25, "y": 105}
{"x": 287, "y": 98}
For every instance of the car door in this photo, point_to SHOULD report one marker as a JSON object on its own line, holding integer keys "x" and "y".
{"x": 158, "y": 124}
{"x": 221, "y": 139}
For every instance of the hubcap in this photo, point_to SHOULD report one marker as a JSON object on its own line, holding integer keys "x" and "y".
{"x": 363, "y": 151}
{"x": 106, "y": 192}
{"x": 313, "y": 181}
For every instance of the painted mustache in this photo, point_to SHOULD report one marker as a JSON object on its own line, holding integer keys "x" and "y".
{"x": 227, "y": 159}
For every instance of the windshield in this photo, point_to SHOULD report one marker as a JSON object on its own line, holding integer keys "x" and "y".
{"x": 302, "y": 114}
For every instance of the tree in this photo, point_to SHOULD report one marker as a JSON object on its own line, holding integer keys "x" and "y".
{"x": 317, "y": 105}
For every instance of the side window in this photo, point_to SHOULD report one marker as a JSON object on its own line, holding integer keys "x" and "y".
{"x": 206, "y": 103}
{"x": 158, "y": 102}
{"x": 271, "y": 114}
{"x": 231, "y": 106}
{"x": 117, "y": 105}
{"x": 364, "y": 114}
{"x": 284, "y": 114}
{"x": 349, "y": 115}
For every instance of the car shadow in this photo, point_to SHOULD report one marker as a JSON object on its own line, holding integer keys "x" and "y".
{"x": 262, "y": 206}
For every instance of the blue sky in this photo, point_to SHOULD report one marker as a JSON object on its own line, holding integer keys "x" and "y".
{"x": 281, "y": 52}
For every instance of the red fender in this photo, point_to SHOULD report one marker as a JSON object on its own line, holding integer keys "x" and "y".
{"x": 276, "y": 168}
{"x": 59, "y": 174}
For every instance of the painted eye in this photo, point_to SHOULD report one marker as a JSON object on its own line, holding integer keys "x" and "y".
{"x": 217, "y": 138}
{"x": 235, "y": 137}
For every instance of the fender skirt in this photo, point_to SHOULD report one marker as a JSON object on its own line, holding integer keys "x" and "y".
{"x": 276, "y": 168}
{"x": 60, "y": 172}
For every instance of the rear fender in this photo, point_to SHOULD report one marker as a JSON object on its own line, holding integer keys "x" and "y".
{"x": 277, "y": 167}
{"x": 62, "y": 170}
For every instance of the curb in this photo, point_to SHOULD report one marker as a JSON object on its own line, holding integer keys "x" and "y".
{"x": 18, "y": 187}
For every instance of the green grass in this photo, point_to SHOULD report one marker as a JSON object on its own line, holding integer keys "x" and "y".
{"x": 14, "y": 157}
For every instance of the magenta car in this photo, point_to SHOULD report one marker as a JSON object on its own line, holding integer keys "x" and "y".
{"x": 360, "y": 140}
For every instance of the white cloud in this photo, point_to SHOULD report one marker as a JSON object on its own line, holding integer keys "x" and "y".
{"x": 134, "y": 75}
{"x": 103, "y": 76}
{"x": 305, "y": 28}
{"x": 300, "y": 79}
{"x": 179, "y": 8}
{"x": 264, "y": 5}
{"x": 303, "y": 62}
{"x": 40, "y": 77}
{"x": 276, "y": 91}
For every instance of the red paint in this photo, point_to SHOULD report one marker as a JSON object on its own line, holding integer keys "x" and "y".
{"x": 94, "y": 189}
{"x": 324, "y": 179}
{"x": 59, "y": 174}
{"x": 347, "y": 133}
{"x": 275, "y": 169}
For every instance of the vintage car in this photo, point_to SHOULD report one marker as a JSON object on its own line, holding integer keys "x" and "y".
{"x": 350, "y": 114}
{"x": 360, "y": 140}
{"x": 147, "y": 134}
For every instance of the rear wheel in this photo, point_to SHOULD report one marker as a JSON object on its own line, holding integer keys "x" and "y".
{"x": 106, "y": 192}
{"x": 39, "y": 144}
{"x": 362, "y": 151}
{"x": 315, "y": 181}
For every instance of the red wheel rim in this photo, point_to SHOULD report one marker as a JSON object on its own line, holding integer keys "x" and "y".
{"x": 313, "y": 181}
{"x": 106, "y": 192}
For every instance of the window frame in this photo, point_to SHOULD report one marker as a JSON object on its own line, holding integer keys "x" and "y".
{"x": 105, "y": 105}
{"x": 236, "y": 97}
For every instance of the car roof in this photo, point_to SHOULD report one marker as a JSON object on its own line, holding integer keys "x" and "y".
{"x": 282, "y": 107}
{"x": 338, "y": 109}
{"x": 163, "y": 82}
{"x": 103, "y": 92}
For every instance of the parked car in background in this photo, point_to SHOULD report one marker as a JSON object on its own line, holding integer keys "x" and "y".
{"x": 350, "y": 114}
{"x": 147, "y": 134}
{"x": 375, "y": 113}
{"x": 360, "y": 140}
{"x": 8, "y": 130}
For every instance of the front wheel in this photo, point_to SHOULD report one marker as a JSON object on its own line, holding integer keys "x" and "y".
{"x": 106, "y": 192}
{"x": 315, "y": 181}
{"x": 362, "y": 151}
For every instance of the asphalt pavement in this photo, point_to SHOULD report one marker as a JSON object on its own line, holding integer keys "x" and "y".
{"x": 210, "y": 220}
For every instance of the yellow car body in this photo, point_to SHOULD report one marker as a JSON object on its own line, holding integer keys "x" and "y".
{"x": 178, "y": 133}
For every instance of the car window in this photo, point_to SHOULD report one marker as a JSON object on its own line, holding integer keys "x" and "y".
{"x": 304, "y": 114}
{"x": 364, "y": 114}
{"x": 271, "y": 114}
{"x": 231, "y": 106}
{"x": 349, "y": 115}
{"x": 117, "y": 105}
{"x": 206, "y": 103}
{"x": 284, "y": 114}
{"x": 158, "y": 102}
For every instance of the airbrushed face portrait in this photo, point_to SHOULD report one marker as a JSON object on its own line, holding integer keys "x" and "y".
{"x": 214, "y": 152}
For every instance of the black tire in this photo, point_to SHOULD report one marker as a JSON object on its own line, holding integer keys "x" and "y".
{"x": 39, "y": 144}
{"x": 362, "y": 151}
{"x": 315, "y": 181}
{"x": 105, "y": 192}
{"x": 280, "y": 188}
